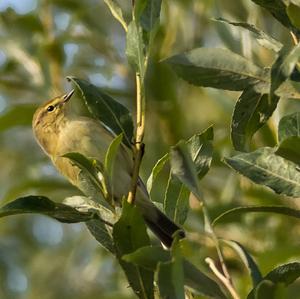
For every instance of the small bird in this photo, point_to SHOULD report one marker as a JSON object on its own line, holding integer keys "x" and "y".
{"x": 59, "y": 130}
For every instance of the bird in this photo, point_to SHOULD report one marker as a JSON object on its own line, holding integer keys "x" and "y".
{"x": 59, "y": 131}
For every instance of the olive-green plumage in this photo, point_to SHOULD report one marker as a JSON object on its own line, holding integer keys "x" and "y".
{"x": 59, "y": 131}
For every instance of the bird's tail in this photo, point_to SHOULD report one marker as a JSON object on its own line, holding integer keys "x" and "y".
{"x": 163, "y": 227}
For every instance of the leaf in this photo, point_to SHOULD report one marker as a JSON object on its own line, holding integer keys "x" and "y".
{"x": 278, "y": 9}
{"x": 150, "y": 15}
{"x": 20, "y": 115}
{"x": 247, "y": 260}
{"x": 289, "y": 126}
{"x": 262, "y": 38}
{"x": 98, "y": 229}
{"x": 251, "y": 112}
{"x": 289, "y": 149}
{"x": 264, "y": 167}
{"x": 130, "y": 234}
{"x": 135, "y": 48}
{"x": 149, "y": 257}
{"x": 233, "y": 213}
{"x": 176, "y": 200}
{"x": 283, "y": 66}
{"x": 110, "y": 156}
{"x": 103, "y": 107}
{"x": 284, "y": 274}
{"x": 116, "y": 11}
{"x": 201, "y": 150}
{"x": 156, "y": 170}
{"x": 218, "y": 68}
{"x": 183, "y": 168}
{"x": 293, "y": 12}
{"x": 43, "y": 205}
{"x": 170, "y": 276}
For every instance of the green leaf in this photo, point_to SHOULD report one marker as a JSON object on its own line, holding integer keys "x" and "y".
{"x": 278, "y": 10}
{"x": 247, "y": 260}
{"x": 284, "y": 274}
{"x": 289, "y": 126}
{"x": 283, "y": 66}
{"x": 111, "y": 155}
{"x": 264, "y": 167}
{"x": 43, "y": 205}
{"x": 103, "y": 107}
{"x": 176, "y": 200}
{"x": 135, "y": 48}
{"x": 149, "y": 257}
{"x": 156, "y": 170}
{"x": 218, "y": 68}
{"x": 289, "y": 149}
{"x": 183, "y": 168}
{"x": 201, "y": 150}
{"x": 150, "y": 15}
{"x": 20, "y": 115}
{"x": 130, "y": 234}
{"x": 100, "y": 232}
{"x": 251, "y": 112}
{"x": 116, "y": 11}
{"x": 233, "y": 213}
{"x": 170, "y": 276}
{"x": 262, "y": 38}
{"x": 293, "y": 12}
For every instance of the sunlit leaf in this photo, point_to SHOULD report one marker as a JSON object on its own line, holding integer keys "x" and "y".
{"x": 215, "y": 67}
{"x": 264, "y": 167}
{"x": 43, "y": 205}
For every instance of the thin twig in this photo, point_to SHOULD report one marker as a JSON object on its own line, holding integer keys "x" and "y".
{"x": 140, "y": 129}
{"x": 222, "y": 278}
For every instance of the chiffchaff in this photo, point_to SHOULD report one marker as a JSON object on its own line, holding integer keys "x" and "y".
{"x": 59, "y": 131}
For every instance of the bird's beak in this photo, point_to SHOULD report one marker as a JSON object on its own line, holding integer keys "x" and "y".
{"x": 68, "y": 96}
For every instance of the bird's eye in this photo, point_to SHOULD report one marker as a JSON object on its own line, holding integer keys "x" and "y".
{"x": 50, "y": 108}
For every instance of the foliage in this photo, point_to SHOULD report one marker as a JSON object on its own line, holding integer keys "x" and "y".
{"x": 192, "y": 181}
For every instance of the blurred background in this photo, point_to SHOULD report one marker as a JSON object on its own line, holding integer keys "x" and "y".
{"x": 42, "y": 42}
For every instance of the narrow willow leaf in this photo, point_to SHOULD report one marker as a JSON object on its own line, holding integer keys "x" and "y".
{"x": 218, "y": 68}
{"x": 231, "y": 215}
{"x": 149, "y": 257}
{"x": 170, "y": 276}
{"x": 183, "y": 168}
{"x": 43, "y": 205}
{"x": 289, "y": 126}
{"x": 201, "y": 150}
{"x": 176, "y": 200}
{"x": 103, "y": 107}
{"x": 247, "y": 260}
{"x": 92, "y": 179}
{"x": 111, "y": 154}
{"x": 251, "y": 112}
{"x": 135, "y": 48}
{"x": 156, "y": 170}
{"x": 264, "y": 167}
{"x": 278, "y": 10}
{"x": 283, "y": 67}
{"x": 262, "y": 38}
{"x": 116, "y": 11}
{"x": 130, "y": 234}
{"x": 20, "y": 115}
{"x": 150, "y": 15}
{"x": 100, "y": 232}
{"x": 284, "y": 274}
